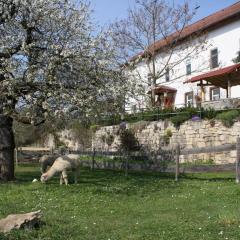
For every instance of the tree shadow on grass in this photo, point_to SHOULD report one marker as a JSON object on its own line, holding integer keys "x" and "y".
{"x": 115, "y": 182}
{"x": 210, "y": 177}
{"x": 105, "y": 181}
{"x": 26, "y": 177}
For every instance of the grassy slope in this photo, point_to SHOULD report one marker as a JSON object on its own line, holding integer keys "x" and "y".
{"x": 106, "y": 205}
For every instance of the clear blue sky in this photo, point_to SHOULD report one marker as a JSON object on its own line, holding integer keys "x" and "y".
{"x": 106, "y": 11}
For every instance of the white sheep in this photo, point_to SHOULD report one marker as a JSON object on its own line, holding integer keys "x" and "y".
{"x": 47, "y": 161}
{"x": 61, "y": 165}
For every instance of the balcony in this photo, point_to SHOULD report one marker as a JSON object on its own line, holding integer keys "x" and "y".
{"x": 225, "y": 78}
{"x": 226, "y": 103}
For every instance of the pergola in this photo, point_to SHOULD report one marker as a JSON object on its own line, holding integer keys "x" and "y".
{"x": 226, "y": 78}
{"x": 161, "y": 89}
{"x": 165, "y": 95}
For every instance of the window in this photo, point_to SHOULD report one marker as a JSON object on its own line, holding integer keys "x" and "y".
{"x": 214, "y": 94}
{"x": 214, "y": 58}
{"x": 189, "y": 99}
{"x": 188, "y": 66}
{"x": 167, "y": 77}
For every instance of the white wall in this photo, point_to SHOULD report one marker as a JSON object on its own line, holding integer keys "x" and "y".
{"x": 225, "y": 38}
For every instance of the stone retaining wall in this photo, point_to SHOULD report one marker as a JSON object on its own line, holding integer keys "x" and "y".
{"x": 190, "y": 135}
{"x": 111, "y": 165}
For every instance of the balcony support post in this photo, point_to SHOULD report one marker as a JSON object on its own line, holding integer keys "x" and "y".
{"x": 229, "y": 88}
{"x": 202, "y": 91}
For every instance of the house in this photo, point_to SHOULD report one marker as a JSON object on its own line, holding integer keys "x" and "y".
{"x": 207, "y": 76}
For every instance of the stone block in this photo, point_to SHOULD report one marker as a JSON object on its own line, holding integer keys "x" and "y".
{"x": 233, "y": 154}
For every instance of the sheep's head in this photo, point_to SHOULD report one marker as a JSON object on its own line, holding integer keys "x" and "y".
{"x": 44, "y": 177}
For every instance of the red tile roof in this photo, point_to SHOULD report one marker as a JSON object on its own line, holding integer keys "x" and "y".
{"x": 206, "y": 23}
{"x": 163, "y": 89}
{"x": 220, "y": 76}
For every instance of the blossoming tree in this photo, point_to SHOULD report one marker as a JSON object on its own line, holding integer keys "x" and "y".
{"x": 50, "y": 63}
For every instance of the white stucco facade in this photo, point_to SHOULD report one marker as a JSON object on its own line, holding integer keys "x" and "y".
{"x": 225, "y": 38}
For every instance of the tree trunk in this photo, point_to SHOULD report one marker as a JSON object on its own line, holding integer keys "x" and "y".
{"x": 6, "y": 149}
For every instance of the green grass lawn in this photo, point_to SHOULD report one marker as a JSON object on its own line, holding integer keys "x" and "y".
{"x": 107, "y": 205}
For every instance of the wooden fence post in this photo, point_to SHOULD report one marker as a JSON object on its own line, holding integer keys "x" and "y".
{"x": 93, "y": 159}
{"x": 126, "y": 163}
{"x": 237, "y": 160}
{"x": 16, "y": 155}
{"x": 177, "y": 162}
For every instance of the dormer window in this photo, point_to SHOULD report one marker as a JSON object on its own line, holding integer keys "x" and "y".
{"x": 214, "y": 58}
{"x": 167, "y": 77}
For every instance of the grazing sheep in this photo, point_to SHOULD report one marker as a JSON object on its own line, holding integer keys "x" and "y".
{"x": 47, "y": 161}
{"x": 61, "y": 165}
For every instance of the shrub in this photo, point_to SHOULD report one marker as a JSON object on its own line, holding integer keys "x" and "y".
{"x": 227, "y": 118}
{"x": 167, "y": 136}
{"x": 165, "y": 113}
{"x": 150, "y": 115}
{"x": 109, "y": 139}
{"x": 103, "y": 138}
{"x": 110, "y": 120}
{"x": 80, "y": 133}
{"x": 209, "y": 113}
{"x": 128, "y": 141}
{"x": 204, "y": 162}
{"x": 94, "y": 128}
{"x": 168, "y": 133}
{"x": 179, "y": 119}
{"x": 189, "y": 110}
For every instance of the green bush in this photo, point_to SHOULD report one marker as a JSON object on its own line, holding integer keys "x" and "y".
{"x": 179, "y": 119}
{"x": 150, "y": 115}
{"x": 166, "y": 113}
{"x": 131, "y": 118}
{"x": 176, "y": 116}
{"x": 209, "y": 113}
{"x": 199, "y": 162}
{"x": 227, "y": 118}
{"x": 128, "y": 140}
{"x": 109, "y": 139}
{"x": 93, "y": 128}
{"x": 190, "y": 110}
{"x": 167, "y": 136}
{"x": 168, "y": 133}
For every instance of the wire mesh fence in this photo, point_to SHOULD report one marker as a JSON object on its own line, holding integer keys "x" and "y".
{"x": 165, "y": 159}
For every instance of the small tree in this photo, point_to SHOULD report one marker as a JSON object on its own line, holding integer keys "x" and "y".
{"x": 128, "y": 143}
{"x": 109, "y": 139}
{"x": 51, "y": 64}
{"x": 81, "y": 133}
